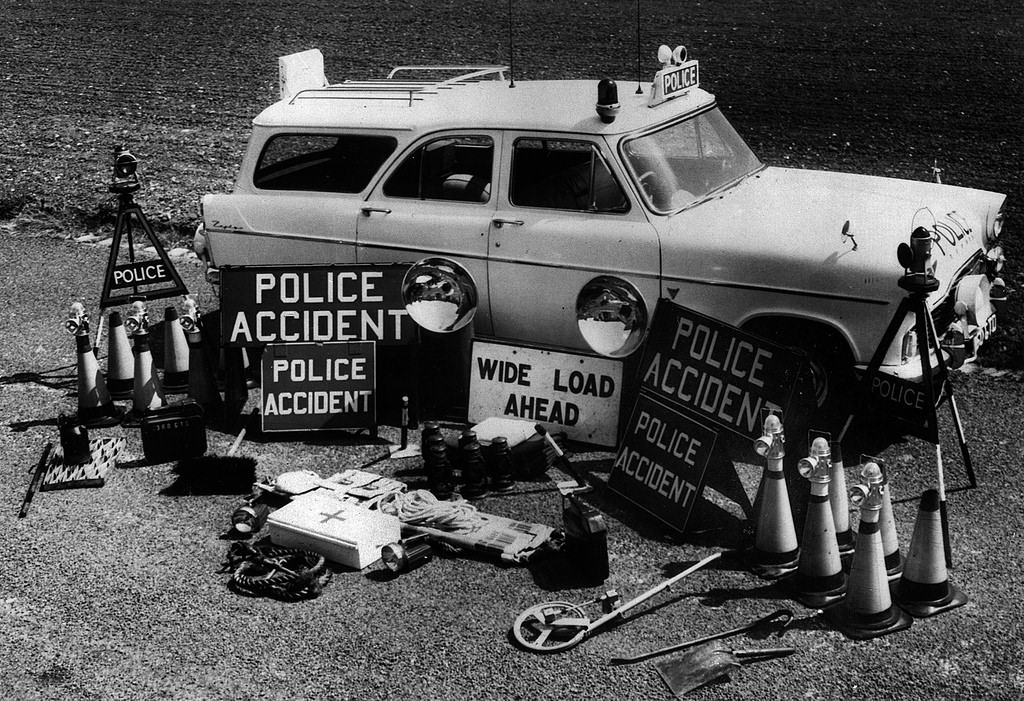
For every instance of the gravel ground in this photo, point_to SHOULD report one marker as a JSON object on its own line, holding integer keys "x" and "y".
{"x": 116, "y": 593}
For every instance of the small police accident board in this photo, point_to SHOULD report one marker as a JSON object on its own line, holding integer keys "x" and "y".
{"x": 697, "y": 377}
{"x": 578, "y": 394}
{"x": 661, "y": 464}
{"x": 318, "y": 386}
{"x": 314, "y": 304}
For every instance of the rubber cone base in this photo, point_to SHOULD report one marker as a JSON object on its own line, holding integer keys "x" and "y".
{"x": 771, "y": 565}
{"x": 867, "y": 626}
{"x": 911, "y": 597}
{"x": 815, "y": 592}
{"x": 100, "y": 416}
{"x": 120, "y": 387}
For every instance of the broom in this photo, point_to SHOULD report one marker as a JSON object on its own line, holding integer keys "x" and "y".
{"x": 219, "y": 474}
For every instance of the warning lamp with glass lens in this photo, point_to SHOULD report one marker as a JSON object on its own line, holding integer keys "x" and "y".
{"x": 607, "y": 100}
{"x": 612, "y": 316}
{"x": 78, "y": 320}
{"x": 125, "y": 178}
{"x": 137, "y": 319}
{"x": 772, "y": 437}
{"x": 440, "y": 295}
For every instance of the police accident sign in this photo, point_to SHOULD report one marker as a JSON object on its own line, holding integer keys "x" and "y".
{"x": 661, "y": 464}
{"x": 261, "y": 305}
{"x": 575, "y": 393}
{"x": 317, "y": 386}
{"x": 715, "y": 371}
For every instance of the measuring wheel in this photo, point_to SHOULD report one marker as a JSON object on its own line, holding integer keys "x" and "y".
{"x": 551, "y": 627}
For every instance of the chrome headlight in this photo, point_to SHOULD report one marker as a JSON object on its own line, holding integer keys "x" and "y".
{"x": 612, "y": 316}
{"x": 996, "y": 230}
{"x": 439, "y": 294}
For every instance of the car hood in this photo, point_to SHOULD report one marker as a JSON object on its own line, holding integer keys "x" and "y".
{"x": 783, "y": 227}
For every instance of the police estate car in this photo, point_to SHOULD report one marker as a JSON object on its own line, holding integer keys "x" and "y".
{"x": 572, "y": 207}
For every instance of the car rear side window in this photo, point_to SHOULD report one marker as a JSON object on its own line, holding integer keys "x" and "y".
{"x": 564, "y": 174}
{"x": 451, "y": 168}
{"x": 321, "y": 162}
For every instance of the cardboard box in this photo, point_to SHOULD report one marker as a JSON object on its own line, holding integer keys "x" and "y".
{"x": 340, "y": 531}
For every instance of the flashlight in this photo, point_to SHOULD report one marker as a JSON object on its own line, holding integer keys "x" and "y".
{"x": 77, "y": 323}
{"x": 407, "y": 554}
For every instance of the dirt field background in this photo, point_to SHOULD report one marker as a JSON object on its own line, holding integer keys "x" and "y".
{"x": 879, "y": 88}
{"x": 115, "y": 593}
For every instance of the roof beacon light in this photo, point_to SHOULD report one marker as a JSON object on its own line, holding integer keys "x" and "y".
{"x": 607, "y": 100}
{"x": 676, "y": 77}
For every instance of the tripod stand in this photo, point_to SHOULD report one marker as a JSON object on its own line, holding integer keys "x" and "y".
{"x": 936, "y": 387}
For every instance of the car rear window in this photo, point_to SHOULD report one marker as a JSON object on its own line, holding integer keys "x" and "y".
{"x": 321, "y": 162}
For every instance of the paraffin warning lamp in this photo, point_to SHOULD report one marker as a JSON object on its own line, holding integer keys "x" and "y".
{"x": 125, "y": 178}
{"x": 77, "y": 323}
{"x": 137, "y": 320}
{"x": 869, "y": 494}
{"x": 916, "y": 259}
{"x": 190, "y": 315}
{"x": 817, "y": 464}
{"x": 772, "y": 440}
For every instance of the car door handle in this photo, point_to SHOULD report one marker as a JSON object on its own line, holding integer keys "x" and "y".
{"x": 507, "y": 222}
{"x": 367, "y": 211}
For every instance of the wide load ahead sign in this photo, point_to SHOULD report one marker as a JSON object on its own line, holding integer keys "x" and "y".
{"x": 575, "y": 393}
{"x": 314, "y": 304}
{"x": 313, "y": 386}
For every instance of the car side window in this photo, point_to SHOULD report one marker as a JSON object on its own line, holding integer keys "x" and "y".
{"x": 452, "y": 168}
{"x": 321, "y": 162}
{"x": 563, "y": 174}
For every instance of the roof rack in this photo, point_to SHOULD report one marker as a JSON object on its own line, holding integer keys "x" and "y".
{"x": 406, "y": 90}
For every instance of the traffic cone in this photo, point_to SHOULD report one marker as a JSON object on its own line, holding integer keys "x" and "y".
{"x": 120, "y": 365}
{"x": 202, "y": 381}
{"x": 890, "y": 539}
{"x": 95, "y": 408}
{"x": 176, "y": 357}
{"x": 839, "y": 498}
{"x": 148, "y": 393}
{"x": 924, "y": 589}
{"x": 867, "y": 611}
{"x": 775, "y": 552}
{"x": 819, "y": 580}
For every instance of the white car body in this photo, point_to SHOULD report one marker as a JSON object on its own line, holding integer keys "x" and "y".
{"x": 813, "y": 254}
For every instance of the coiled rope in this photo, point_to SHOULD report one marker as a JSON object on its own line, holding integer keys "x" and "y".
{"x": 288, "y": 574}
{"x": 421, "y": 508}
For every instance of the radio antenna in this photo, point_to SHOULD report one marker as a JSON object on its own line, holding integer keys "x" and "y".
{"x": 511, "y": 50}
{"x": 638, "y": 90}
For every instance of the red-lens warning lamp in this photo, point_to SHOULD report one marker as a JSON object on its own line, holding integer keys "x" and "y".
{"x": 77, "y": 323}
{"x": 770, "y": 444}
{"x": 607, "y": 100}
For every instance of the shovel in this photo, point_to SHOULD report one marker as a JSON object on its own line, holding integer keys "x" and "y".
{"x": 783, "y": 616}
{"x": 708, "y": 662}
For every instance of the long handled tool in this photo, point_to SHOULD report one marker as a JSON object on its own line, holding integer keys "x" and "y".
{"x": 781, "y": 615}
{"x": 37, "y": 477}
{"x": 560, "y": 625}
{"x": 701, "y": 665}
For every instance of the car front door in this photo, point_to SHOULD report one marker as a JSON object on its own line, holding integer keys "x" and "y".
{"x": 564, "y": 219}
{"x": 438, "y": 200}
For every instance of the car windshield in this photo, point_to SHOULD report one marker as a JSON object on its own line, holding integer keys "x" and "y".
{"x": 685, "y": 161}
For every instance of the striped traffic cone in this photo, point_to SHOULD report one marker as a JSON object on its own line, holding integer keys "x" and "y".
{"x": 120, "y": 365}
{"x": 839, "y": 498}
{"x": 202, "y": 381}
{"x": 176, "y": 356}
{"x": 819, "y": 580}
{"x": 775, "y": 552}
{"x": 887, "y": 526}
{"x": 867, "y": 610}
{"x": 924, "y": 589}
{"x": 148, "y": 393}
{"x": 95, "y": 407}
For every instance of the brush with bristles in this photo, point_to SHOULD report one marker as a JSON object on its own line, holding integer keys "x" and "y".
{"x": 219, "y": 474}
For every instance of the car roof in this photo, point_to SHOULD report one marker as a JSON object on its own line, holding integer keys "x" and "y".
{"x": 548, "y": 105}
